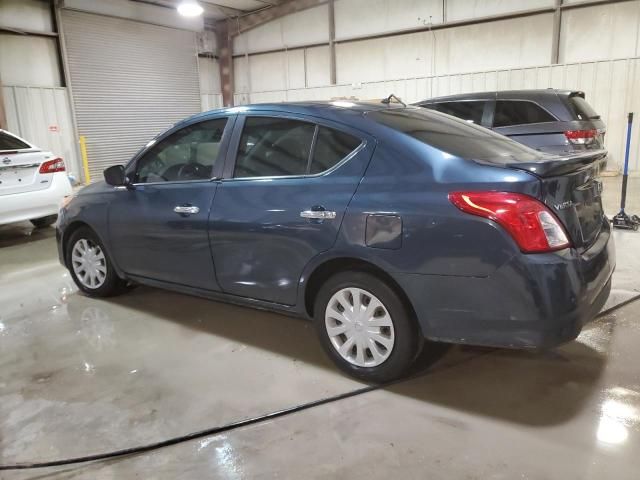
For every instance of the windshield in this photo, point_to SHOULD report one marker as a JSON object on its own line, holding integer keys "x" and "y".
{"x": 454, "y": 136}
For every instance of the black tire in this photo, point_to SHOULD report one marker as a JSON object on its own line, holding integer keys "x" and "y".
{"x": 408, "y": 338}
{"x": 112, "y": 284}
{"x": 44, "y": 222}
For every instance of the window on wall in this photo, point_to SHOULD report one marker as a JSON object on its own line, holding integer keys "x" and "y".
{"x": 188, "y": 154}
{"x": 519, "y": 112}
{"x": 276, "y": 147}
{"x": 470, "y": 110}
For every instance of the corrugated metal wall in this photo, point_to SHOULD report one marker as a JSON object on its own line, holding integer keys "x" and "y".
{"x": 611, "y": 87}
{"x": 42, "y": 115}
{"x": 130, "y": 81}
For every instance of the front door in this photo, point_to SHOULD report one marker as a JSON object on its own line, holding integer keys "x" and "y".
{"x": 158, "y": 228}
{"x": 282, "y": 202}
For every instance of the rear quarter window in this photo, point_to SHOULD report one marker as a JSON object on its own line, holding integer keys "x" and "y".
{"x": 519, "y": 112}
{"x": 9, "y": 142}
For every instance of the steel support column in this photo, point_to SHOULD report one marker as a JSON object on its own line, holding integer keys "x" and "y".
{"x": 225, "y": 61}
{"x": 557, "y": 25}
{"x": 332, "y": 42}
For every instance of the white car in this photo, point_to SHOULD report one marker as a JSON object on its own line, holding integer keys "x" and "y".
{"x": 32, "y": 182}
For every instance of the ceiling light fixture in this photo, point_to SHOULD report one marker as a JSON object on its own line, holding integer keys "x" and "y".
{"x": 190, "y": 8}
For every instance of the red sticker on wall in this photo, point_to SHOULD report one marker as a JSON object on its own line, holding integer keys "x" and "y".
{"x": 54, "y": 128}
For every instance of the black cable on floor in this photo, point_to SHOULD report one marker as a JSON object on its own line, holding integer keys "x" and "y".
{"x": 230, "y": 426}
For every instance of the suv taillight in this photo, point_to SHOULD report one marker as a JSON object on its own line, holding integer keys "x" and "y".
{"x": 581, "y": 137}
{"x": 531, "y": 224}
{"x": 52, "y": 166}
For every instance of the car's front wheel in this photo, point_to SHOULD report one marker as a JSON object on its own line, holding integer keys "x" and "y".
{"x": 365, "y": 327}
{"x": 90, "y": 266}
{"x": 44, "y": 222}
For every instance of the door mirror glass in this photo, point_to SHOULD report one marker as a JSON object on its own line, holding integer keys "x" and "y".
{"x": 115, "y": 176}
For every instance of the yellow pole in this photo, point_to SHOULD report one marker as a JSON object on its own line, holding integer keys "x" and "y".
{"x": 85, "y": 160}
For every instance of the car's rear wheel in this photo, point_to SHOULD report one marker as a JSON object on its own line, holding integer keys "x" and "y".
{"x": 90, "y": 266}
{"x": 365, "y": 327}
{"x": 44, "y": 222}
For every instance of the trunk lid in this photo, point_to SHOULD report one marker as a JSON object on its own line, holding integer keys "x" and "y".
{"x": 19, "y": 171}
{"x": 572, "y": 190}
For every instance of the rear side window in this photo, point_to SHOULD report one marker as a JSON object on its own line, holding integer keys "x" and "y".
{"x": 274, "y": 147}
{"x": 519, "y": 112}
{"x": 581, "y": 109}
{"x": 454, "y": 136}
{"x": 471, "y": 111}
{"x": 9, "y": 142}
{"x": 331, "y": 147}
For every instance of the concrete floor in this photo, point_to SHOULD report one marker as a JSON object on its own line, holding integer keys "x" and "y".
{"x": 83, "y": 376}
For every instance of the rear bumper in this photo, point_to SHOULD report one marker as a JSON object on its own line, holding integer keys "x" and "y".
{"x": 538, "y": 301}
{"x": 19, "y": 207}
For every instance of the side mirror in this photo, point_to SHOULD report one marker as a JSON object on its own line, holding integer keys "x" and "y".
{"x": 115, "y": 176}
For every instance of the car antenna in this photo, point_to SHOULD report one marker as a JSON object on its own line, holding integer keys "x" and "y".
{"x": 387, "y": 100}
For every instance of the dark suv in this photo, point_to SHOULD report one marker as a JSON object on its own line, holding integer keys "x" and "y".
{"x": 555, "y": 121}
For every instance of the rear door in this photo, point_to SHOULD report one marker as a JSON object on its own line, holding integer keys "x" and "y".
{"x": 19, "y": 166}
{"x": 286, "y": 188}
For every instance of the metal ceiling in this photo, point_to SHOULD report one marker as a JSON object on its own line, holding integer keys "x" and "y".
{"x": 220, "y": 9}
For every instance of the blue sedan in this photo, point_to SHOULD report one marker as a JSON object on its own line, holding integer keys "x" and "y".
{"x": 386, "y": 225}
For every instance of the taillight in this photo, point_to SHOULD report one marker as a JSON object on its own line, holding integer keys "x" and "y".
{"x": 528, "y": 221}
{"x": 581, "y": 137}
{"x": 52, "y": 166}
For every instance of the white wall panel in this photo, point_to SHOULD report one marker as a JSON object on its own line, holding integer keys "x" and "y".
{"x": 27, "y": 14}
{"x": 365, "y": 17}
{"x": 502, "y": 44}
{"x": 596, "y": 33}
{"x": 209, "y": 75}
{"x": 42, "y": 115}
{"x": 268, "y": 71}
{"x": 295, "y": 68}
{"x": 27, "y": 60}
{"x": 385, "y": 58}
{"x": 468, "y": 9}
{"x": 307, "y": 27}
{"x": 318, "y": 66}
{"x": 241, "y": 80}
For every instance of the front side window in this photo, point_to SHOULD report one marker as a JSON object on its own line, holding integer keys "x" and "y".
{"x": 470, "y": 110}
{"x": 9, "y": 142}
{"x": 519, "y": 112}
{"x": 188, "y": 154}
{"x": 277, "y": 147}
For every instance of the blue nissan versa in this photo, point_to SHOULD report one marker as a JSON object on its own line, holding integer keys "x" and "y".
{"x": 385, "y": 224}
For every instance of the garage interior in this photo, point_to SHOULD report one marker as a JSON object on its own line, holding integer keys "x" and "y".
{"x": 94, "y": 81}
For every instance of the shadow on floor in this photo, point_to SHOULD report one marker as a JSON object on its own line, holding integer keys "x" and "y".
{"x": 527, "y": 387}
{"x": 21, "y": 233}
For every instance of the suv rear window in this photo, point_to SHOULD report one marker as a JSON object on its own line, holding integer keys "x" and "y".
{"x": 9, "y": 142}
{"x": 469, "y": 110}
{"x": 519, "y": 112}
{"x": 454, "y": 136}
{"x": 582, "y": 109}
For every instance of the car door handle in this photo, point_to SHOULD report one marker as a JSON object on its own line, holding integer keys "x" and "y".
{"x": 186, "y": 209}
{"x": 318, "y": 214}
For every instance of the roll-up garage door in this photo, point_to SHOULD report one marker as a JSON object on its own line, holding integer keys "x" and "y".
{"x": 130, "y": 81}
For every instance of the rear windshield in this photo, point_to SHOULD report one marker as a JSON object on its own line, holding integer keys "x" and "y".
{"x": 582, "y": 109}
{"x": 454, "y": 136}
{"x": 9, "y": 142}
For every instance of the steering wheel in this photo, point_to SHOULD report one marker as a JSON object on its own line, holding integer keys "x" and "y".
{"x": 191, "y": 170}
